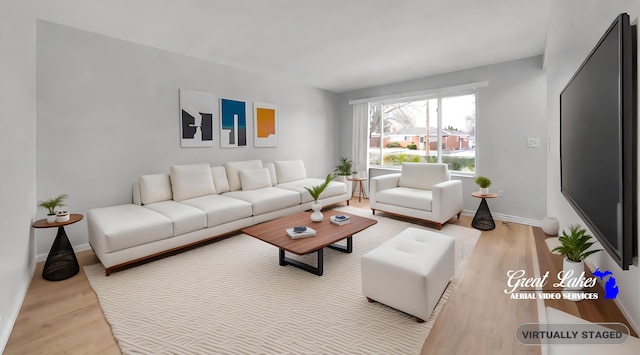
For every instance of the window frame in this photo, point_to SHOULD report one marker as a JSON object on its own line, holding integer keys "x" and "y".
{"x": 432, "y": 94}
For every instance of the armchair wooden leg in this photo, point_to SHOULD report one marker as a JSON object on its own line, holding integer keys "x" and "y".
{"x": 373, "y": 211}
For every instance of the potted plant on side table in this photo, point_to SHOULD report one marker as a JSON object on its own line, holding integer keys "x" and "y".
{"x": 51, "y": 204}
{"x": 575, "y": 247}
{"x": 342, "y": 171}
{"x": 315, "y": 192}
{"x": 484, "y": 183}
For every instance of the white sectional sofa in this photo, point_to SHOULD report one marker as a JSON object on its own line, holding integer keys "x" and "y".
{"x": 197, "y": 202}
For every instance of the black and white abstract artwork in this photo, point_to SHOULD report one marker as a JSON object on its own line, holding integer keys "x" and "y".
{"x": 196, "y": 118}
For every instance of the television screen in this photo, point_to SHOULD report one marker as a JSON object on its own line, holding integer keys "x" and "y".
{"x": 597, "y": 142}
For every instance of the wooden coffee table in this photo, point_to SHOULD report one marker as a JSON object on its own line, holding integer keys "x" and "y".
{"x": 327, "y": 234}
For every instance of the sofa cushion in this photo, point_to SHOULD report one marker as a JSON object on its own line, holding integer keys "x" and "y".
{"x": 334, "y": 188}
{"x": 126, "y": 226}
{"x": 267, "y": 199}
{"x": 418, "y": 199}
{"x": 220, "y": 209}
{"x": 233, "y": 171}
{"x": 190, "y": 181}
{"x": 422, "y": 175}
{"x": 272, "y": 173}
{"x": 220, "y": 181}
{"x": 290, "y": 170}
{"x": 185, "y": 218}
{"x": 253, "y": 179}
{"x": 155, "y": 188}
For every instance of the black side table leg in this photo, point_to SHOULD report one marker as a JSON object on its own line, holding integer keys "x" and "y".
{"x": 483, "y": 219}
{"x": 61, "y": 263}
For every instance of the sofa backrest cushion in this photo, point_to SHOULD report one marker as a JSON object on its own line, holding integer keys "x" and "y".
{"x": 191, "y": 181}
{"x": 220, "y": 181}
{"x": 272, "y": 173}
{"x": 422, "y": 175}
{"x": 290, "y": 170}
{"x": 253, "y": 179}
{"x": 233, "y": 171}
{"x": 154, "y": 188}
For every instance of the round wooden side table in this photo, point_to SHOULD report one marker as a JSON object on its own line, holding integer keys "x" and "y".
{"x": 355, "y": 182}
{"x": 483, "y": 219}
{"x": 61, "y": 262}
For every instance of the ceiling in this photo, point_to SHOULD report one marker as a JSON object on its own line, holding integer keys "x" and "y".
{"x": 337, "y": 45}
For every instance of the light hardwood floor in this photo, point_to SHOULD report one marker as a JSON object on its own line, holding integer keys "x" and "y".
{"x": 65, "y": 318}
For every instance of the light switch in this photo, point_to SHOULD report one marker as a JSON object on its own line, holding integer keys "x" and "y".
{"x": 533, "y": 142}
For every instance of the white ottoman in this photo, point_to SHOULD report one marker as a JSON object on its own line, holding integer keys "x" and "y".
{"x": 410, "y": 271}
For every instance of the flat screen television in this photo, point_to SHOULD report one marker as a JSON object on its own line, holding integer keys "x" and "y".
{"x": 598, "y": 110}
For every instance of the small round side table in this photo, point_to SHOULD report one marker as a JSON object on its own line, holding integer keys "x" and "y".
{"x": 61, "y": 263}
{"x": 483, "y": 219}
{"x": 355, "y": 182}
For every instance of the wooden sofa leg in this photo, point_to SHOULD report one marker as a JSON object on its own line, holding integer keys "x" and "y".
{"x": 419, "y": 320}
{"x": 373, "y": 211}
{"x": 107, "y": 271}
{"x": 370, "y": 300}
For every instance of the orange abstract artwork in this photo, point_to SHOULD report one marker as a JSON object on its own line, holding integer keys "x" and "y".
{"x": 266, "y": 122}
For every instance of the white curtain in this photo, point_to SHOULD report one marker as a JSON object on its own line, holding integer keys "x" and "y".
{"x": 360, "y": 138}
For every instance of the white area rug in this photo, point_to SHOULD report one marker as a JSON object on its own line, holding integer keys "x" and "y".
{"x": 232, "y": 297}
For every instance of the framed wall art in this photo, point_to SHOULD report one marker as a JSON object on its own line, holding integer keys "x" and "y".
{"x": 233, "y": 123}
{"x": 265, "y": 124}
{"x": 196, "y": 118}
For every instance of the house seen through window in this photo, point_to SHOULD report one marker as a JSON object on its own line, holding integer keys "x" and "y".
{"x": 436, "y": 129}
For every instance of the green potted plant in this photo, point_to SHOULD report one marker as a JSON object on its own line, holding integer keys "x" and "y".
{"x": 342, "y": 171}
{"x": 50, "y": 205}
{"x": 345, "y": 168}
{"x": 484, "y": 183}
{"x": 315, "y": 192}
{"x": 575, "y": 247}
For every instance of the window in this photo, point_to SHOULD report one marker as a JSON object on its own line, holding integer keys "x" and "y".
{"x": 430, "y": 129}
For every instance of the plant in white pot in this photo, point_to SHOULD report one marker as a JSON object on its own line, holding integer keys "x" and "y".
{"x": 342, "y": 170}
{"x": 484, "y": 183}
{"x": 575, "y": 247}
{"x": 50, "y": 205}
{"x": 315, "y": 192}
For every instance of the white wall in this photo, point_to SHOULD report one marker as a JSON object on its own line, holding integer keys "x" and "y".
{"x": 107, "y": 112}
{"x": 574, "y": 29}
{"x": 510, "y": 109}
{"x": 17, "y": 156}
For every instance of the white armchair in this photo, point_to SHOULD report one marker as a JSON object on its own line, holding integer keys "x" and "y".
{"x": 421, "y": 190}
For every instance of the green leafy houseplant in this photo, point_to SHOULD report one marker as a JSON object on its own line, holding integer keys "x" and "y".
{"x": 315, "y": 191}
{"x": 575, "y": 244}
{"x": 345, "y": 168}
{"x": 50, "y": 205}
{"x": 483, "y": 182}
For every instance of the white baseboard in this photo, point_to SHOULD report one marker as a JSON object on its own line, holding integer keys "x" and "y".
{"x": 508, "y": 218}
{"x": 12, "y": 316}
